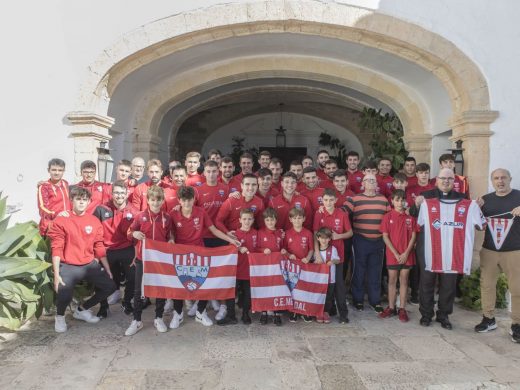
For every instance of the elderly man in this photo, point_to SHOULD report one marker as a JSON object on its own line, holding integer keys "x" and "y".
{"x": 445, "y": 244}
{"x": 367, "y": 210}
{"x": 138, "y": 166}
{"x": 501, "y": 250}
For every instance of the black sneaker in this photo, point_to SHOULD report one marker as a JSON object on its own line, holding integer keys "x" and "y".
{"x": 377, "y": 308}
{"x": 246, "y": 318}
{"x": 515, "y": 333}
{"x": 333, "y": 310}
{"x": 102, "y": 312}
{"x": 486, "y": 325}
{"x": 127, "y": 308}
{"x": 307, "y": 319}
{"x": 264, "y": 318}
{"x": 343, "y": 320}
{"x": 227, "y": 321}
{"x": 414, "y": 300}
{"x": 277, "y": 320}
{"x": 359, "y": 306}
{"x": 293, "y": 317}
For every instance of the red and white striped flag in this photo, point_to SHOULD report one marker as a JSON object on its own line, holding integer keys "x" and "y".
{"x": 188, "y": 272}
{"x": 278, "y": 283}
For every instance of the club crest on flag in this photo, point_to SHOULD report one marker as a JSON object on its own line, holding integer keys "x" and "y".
{"x": 290, "y": 273}
{"x": 192, "y": 269}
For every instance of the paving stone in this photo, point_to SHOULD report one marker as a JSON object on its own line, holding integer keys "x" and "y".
{"x": 469, "y": 386}
{"x": 356, "y": 349}
{"x": 301, "y": 375}
{"x": 476, "y": 350}
{"x": 506, "y": 374}
{"x": 335, "y": 377}
{"x": 224, "y": 349}
{"x": 433, "y": 347}
{"x": 65, "y": 367}
{"x": 251, "y": 374}
{"x": 27, "y": 353}
{"x": 122, "y": 380}
{"x": 182, "y": 379}
{"x": 292, "y": 351}
{"x": 9, "y": 371}
{"x": 396, "y": 375}
{"x": 163, "y": 351}
{"x": 449, "y": 371}
{"x": 333, "y": 330}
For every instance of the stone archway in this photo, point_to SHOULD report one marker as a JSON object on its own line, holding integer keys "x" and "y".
{"x": 464, "y": 84}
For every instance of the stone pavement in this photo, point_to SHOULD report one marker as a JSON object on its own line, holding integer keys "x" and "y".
{"x": 368, "y": 353}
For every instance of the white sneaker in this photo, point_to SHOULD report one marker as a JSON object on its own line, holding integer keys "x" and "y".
{"x": 160, "y": 325}
{"x": 176, "y": 320}
{"x": 134, "y": 327}
{"x": 168, "y": 306}
{"x": 114, "y": 297}
{"x": 193, "y": 310}
{"x": 203, "y": 318}
{"x": 215, "y": 304}
{"x": 189, "y": 304}
{"x": 85, "y": 315}
{"x": 60, "y": 325}
{"x": 222, "y": 311}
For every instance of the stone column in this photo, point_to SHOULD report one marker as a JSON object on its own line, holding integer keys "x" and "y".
{"x": 146, "y": 145}
{"x": 473, "y": 129}
{"x": 89, "y": 129}
{"x": 419, "y": 146}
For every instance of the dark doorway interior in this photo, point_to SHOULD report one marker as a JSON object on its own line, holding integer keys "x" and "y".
{"x": 286, "y": 154}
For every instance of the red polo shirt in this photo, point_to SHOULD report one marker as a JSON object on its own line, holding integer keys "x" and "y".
{"x": 399, "y": 227}
{"x": 268, "y": 196}
{"x": 283, "y": 206}
{"x": 385, "y": 184}
{"x": 298, "y": 243}
{"x": 271, "y": 239}
{"x": 343, "y": 197}
{"x": 338, "y": 222}
{"x": 190, "y": 230}
{"x": 315, "y": 196}
{"x": 195, "y": 180}
{"x": 355, "y": 181}
{"x": 211, "y": 199}
{"x": 229, "y": 214}
{"x": 250, "y": 241}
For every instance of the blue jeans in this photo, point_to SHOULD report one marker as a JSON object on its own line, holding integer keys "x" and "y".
{"x": 368, "y": 261}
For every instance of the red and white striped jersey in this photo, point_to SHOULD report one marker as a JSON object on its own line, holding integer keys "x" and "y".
{"x": 449, "y": 233}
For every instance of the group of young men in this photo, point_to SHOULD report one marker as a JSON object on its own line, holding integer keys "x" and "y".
{"x": 349, "y": 218}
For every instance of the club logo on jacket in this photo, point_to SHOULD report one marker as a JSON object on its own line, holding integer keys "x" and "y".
{"x": 129, "y": 216}
{"x": 100, "y": 188}
{"x": 88, "y": 229}
{"x": 221, "y": 192}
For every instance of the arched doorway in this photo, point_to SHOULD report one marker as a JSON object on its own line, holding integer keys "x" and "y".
{"x": 195, "y": 57}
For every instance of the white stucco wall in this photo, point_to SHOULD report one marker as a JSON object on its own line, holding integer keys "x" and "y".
{"x": 47, "y": 47}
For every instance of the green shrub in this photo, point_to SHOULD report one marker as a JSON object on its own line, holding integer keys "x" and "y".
{"x": 470, "y": 287}
{"x": 25, "y": 288}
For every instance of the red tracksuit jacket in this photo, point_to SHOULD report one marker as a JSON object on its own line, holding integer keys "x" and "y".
{"x": 77, "y": 239}
{"x": 115, "y": 224}
{"x": 52, "y": 200}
